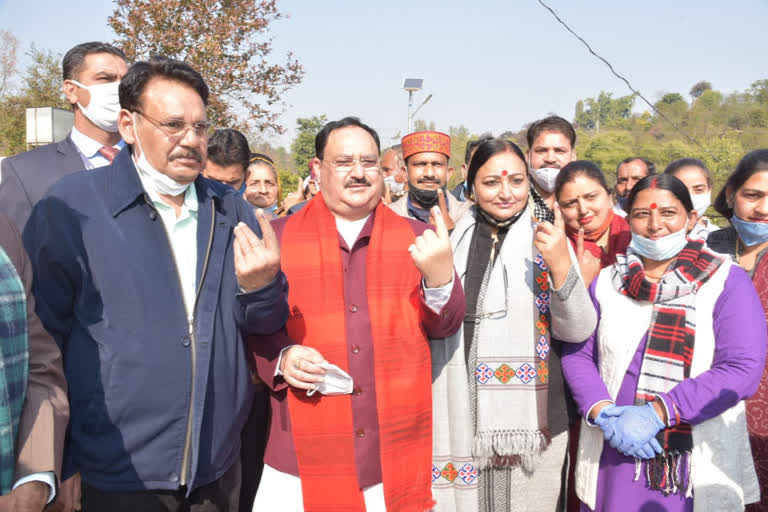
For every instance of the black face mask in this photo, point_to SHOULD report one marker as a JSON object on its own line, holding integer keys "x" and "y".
{"x": 423, "y": 197}
{"x": 493, "y": 221}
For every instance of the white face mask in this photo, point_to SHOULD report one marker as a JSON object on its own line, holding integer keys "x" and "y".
{"x": 335, "y": 382}
{"x": 104, "y": 106}
{"x": 545, "y": 178}
{"x": 701, "y": 202}
{"x": 662, "y": 248}
{"x": 161, "y": 183}
{"x": 395, "y": 188}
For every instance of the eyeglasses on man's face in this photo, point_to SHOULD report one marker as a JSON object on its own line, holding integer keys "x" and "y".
{"x": 345, "y": 163}
{"x": 177, "y": 128}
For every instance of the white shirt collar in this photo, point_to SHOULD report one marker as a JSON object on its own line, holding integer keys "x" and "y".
{"x": 87, "y": 146}
{"x": 350, "y": 229}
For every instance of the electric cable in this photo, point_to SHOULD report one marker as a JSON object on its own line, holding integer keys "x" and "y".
{"x": 629, "y": 85}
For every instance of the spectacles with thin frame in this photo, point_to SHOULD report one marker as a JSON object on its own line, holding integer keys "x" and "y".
{"x": 177, "y": 128}
{"x": 345, "y": 164}
{"x": 493, "y": 315}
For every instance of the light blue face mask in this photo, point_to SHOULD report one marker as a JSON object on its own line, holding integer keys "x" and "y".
{"x": 751, "y": 233}
{"x": 661, "y": 249}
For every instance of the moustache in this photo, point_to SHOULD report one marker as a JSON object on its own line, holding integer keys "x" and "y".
{"x": 428, "y": 179}
{"x": 189, "y": 153}
{"x": 351, "y": 182}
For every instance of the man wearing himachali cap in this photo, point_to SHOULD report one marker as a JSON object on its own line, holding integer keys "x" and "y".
{"x": 426, "y": 157}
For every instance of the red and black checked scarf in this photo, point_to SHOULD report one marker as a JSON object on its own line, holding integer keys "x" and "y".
{"x": 669, "y": 350}
{"x": 322, "y": 426}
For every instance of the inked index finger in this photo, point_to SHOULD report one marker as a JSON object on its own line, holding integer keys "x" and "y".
{"x": 440, "y": 228}
{"x": 441, "y": 202}
{"x": 559, "y": 222}
{"x": 580, "y": 244}
{"x": 267, "y": 232}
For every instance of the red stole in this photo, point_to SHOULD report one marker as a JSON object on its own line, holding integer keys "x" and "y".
{"x": 322, "y": 426}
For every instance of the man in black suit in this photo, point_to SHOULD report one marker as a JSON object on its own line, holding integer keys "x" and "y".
{"x": 91, "y": 73}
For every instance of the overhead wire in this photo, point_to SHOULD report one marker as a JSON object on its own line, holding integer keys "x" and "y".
{"x": 629, "y": 85}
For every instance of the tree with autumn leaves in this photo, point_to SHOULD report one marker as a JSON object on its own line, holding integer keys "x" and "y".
{"x": 227, "y": 41}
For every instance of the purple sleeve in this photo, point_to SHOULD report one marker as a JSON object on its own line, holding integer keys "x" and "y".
{"x": 265, "y": 353}
{"x": 740, "y": 344}
{"x": 579, "y": 362}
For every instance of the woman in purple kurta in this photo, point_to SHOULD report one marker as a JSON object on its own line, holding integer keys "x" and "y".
{"x": 739, "y": 331}
{"x": 740, "y": 336}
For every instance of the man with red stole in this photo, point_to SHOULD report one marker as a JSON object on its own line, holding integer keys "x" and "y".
{"x": 350, "y": 374}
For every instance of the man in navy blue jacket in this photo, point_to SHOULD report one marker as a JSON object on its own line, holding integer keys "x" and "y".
{"x": 148, "y": 276}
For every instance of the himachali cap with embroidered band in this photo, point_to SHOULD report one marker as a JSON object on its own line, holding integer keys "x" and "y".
{"x": 426, "y": 142}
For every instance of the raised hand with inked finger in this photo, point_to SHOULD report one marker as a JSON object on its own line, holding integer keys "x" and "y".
{"x": 444, "y": 210}
{"x": 387, "y": 197}
{"x": 257, "y": 260}
{"x": 431, "y": 252}
{"x": 588, "y": 263}
{"x": 550, "y": 240}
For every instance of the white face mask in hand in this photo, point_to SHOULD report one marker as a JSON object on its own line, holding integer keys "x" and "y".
{"x": 335, "y": 382}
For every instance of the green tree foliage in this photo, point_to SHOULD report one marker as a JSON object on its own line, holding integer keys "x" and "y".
{"x": 759, "y": 92}
{"x": 603, "y": 112}
{"x": 727, "y": 126}
{"x": 673, "y": 106}
{"x": 303, "y": 145}
{"x": 699, "y": 88}
{"x": 460, "y": 137}
{"x": 41, "y": 87}
{"x": 420, "y": 125}
{"x": 288, "y": 182}
{"x": 606, "y": 149}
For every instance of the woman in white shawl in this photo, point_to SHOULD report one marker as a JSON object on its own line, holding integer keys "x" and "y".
{"x": 495, "y": 448}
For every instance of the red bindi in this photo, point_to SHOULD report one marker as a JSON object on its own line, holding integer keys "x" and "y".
{"x": 504, "y": 172}
{"x": 653, "y": 206}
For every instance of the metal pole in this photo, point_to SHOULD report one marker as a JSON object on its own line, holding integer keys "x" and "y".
{"x": 422, "y": 104}
{"x": 410, "y": 106}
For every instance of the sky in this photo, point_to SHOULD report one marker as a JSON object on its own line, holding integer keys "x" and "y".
{"x": 490, "y": 65}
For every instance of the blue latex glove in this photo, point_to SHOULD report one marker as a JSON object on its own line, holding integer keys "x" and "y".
{"x": 649, "y": 451}
{"x": 605, "y": 422}
{"x": 635, "y": 430}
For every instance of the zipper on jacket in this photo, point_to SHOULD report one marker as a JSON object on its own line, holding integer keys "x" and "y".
{"x": 193, "y": 344}
{"x": 183, "y": 477}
